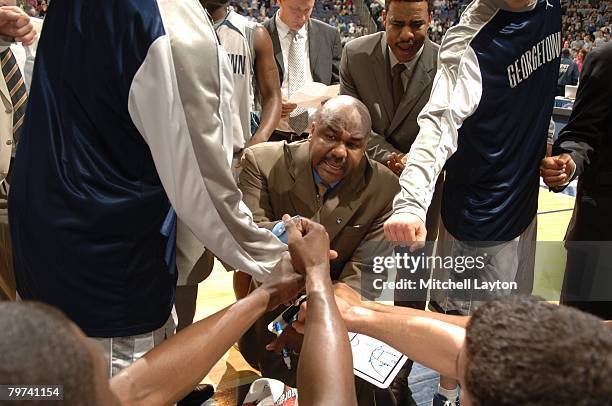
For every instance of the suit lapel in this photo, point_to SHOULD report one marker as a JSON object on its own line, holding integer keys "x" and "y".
{"x": 381, "y": 74}
{"x": 313, "y": 49}
{"x": 417, "y": 84}
{"x": 339, "y": 207}
{"x": 278, "y": 51}
{"x": 302, "y": 194}
{"x": 4, "y": 90}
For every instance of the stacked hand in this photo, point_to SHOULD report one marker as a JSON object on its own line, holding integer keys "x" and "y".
{"x": 406, "y": 229}
{"x": 283, "y": 284}
{"x": 557, "y": 170}
{"x": 15, "y": 23}
{"x": 309, "y": 247}
{"x": 310, "y": 255}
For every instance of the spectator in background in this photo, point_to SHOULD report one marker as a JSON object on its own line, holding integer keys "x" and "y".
{"x": 31, "y": 10}
{"x": 588, "y": 43}
{"x": 568, "y": 72}
{"x": 42, "y": 8}
{"x": 580, "y": 57}
{"x": 599, "y": 39}
{"x": 577, "y": 43}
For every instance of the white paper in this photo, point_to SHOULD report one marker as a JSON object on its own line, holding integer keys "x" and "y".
{"x": 312, "y": 94}
{"x": 375, "y": 361}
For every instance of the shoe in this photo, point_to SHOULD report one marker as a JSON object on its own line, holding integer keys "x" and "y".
{"x": 200, "y": 394}
{"x": 441, "y": 400}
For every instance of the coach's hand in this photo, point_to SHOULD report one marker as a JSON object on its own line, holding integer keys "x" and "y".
{"x": 406, "y": 229}
{"x": 557, "y": 170}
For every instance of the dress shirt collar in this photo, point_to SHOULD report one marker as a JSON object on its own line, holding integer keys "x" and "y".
{"x": 283, "y": 29}
{"x": 319, "y": 181}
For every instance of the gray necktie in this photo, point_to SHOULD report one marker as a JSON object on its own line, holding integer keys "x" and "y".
{"x": 397, "y": 85}
{"x": 298, "y": 119}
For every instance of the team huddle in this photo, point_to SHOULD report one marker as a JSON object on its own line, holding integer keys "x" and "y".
{"x": 159, "y": 135}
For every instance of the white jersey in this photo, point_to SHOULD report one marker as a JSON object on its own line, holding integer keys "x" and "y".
{"x": 236, "y": 35}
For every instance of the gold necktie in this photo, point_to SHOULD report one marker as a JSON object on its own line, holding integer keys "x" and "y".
{"x": 17, "y": 90}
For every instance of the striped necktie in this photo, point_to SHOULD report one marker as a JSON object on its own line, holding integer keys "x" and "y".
{"x": 17, "y": 90}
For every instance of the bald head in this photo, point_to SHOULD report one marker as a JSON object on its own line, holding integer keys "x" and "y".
{"x": 345, "y": 112}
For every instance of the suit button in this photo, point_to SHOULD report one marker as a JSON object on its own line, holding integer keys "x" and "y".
{"x": 9, "y": 142}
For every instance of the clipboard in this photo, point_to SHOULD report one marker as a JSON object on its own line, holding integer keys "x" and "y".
{"x": 375, "y": 361}
{"x": 312, "y": 94}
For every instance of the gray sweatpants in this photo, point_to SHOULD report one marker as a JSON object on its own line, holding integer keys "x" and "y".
{"x": 511, "y": 261}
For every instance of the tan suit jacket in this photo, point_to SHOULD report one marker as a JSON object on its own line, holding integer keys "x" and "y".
{"x": 277, "y": 178}
{"x": 365, "y": 75}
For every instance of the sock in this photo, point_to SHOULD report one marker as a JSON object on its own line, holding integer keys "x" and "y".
{"x": 450, "y": 394}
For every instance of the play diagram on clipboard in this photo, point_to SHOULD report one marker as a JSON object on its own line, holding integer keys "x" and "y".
{"x": 375, "y": 361}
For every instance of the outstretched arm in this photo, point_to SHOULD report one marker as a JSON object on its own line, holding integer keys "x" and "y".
{"x": 184, "y": 124}
{"x": 326, "y": 352}
{"x": 432, "y": 339}
{"x": 430, "y": 342}
{"x": 455, "y": 95}
{"x": 268, "y": 83}
{"x": 353, "y": 298}
{"x": 168, "y": 372}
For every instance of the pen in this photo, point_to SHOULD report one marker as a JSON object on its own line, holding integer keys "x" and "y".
{"x": 288, "y": 316}
{"x": 285, "y": 351}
